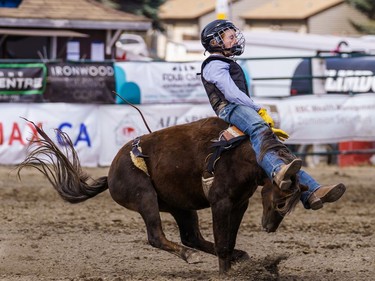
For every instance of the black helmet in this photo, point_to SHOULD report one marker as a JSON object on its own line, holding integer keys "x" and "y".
{"x": 214, "y": 30}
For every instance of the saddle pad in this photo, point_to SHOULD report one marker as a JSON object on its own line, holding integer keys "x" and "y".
{"x": 232, "y": 132}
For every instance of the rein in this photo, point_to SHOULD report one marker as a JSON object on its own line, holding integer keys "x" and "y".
{"x": 132, "y": 105}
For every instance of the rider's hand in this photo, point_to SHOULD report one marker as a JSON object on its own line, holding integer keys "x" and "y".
{"x": 268, "y": 119}
{"x": 282, "y": 135}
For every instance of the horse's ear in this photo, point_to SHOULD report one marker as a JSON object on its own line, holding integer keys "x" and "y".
{"x": 303, "y": 188}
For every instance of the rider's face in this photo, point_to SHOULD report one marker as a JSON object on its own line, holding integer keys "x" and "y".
{"x": 229, "y": 38}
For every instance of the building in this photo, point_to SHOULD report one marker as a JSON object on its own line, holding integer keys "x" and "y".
{"x": 185, "y": 19}
{"x": 69, "y": 29}
{"x": 304, "y": 16}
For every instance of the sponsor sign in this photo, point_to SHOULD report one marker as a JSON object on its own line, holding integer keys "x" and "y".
{"x": 342, "y": 75}
{"x": 99, "y": 131}
{"x": 159, "y": 82}
{"x": 23, "y": 82}
{"x": 78, "y": 121}
{"x": 80, "y": 82}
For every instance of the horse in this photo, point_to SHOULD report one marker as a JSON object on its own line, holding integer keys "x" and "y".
{"x": 170, "y": 180}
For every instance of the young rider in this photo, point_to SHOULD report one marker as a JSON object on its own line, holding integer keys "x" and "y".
{"x": 228, "y": 94}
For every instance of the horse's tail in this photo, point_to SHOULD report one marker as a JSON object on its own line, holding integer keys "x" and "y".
{"x": 65, "y": 175}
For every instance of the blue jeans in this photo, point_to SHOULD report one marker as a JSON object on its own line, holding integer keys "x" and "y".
{"x": 249, "y": 121}
{"x": 312, "y": 185}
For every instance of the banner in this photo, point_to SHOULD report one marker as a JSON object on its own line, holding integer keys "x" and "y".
{"x": 159, "y": 82}
{"x": 342, "y": 75}
{"x": 78, "y": 121}
{"x": 325, "y": 118}
{"x": 80, "y": 82}
{"x": 124, "y": 123}
{"x": 22, "y": 82}
{"x": 99, "y": 131}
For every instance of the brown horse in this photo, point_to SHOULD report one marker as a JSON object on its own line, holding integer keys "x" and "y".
{"x": 173, "y": 183}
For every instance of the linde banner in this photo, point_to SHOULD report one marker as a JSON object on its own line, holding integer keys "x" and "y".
{"x": 22, "y": 82}
{"x": 99, "y": 131}
{"x": 76, "y": 82}
{"x": 159, "y": 82}
{"x": 342, "y": 75}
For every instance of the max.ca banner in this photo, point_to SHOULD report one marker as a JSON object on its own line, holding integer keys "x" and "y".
{"x": 80, "y": 83}
{"x": 99, "y": 131}
{"x": 159, "y": 82}
{"x": 22, "y": 82}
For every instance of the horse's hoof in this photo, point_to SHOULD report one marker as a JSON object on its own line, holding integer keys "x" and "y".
{"x": 193, "y": 257}
{"x": 239, "y": 256}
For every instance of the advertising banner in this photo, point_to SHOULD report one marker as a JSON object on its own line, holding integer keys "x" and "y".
{"x": 99, "y": 131}
{"x": 22, "y": 82}
{"x": 78, "y": 121}
{"x": 121, "y": 124}
{"x": 159, "y": 82}
{"x": 342, "y": 75}
{"x": 324, "y": 119}
{"x": 76, "y": 82}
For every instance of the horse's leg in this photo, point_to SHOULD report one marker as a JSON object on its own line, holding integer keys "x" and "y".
{"x": 187, "y": 221}
{"x": 235, "y": 222}
{"x": 226, "y": 221}
{"x": 191, "y": 236}
{"x": 138, "y": 194}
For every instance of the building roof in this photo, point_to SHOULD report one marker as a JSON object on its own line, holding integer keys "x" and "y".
{"x": 183, "y": 9}
{"x": 87, "y": 14}
{"x": 290, "y": 9}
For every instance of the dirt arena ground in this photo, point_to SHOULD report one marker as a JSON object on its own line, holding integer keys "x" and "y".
{"x": 44, "y": 238}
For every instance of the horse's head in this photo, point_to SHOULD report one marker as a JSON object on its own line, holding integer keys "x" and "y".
{"x": 277, "y": 204}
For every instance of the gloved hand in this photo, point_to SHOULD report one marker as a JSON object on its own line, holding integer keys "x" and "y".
{"x": 268, "y": 119}
{"x": 282, "y": 135}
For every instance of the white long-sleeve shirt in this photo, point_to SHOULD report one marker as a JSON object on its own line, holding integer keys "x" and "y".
{"x": 217, "y": 73}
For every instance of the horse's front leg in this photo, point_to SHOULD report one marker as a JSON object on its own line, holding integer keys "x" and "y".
{"x": 235, "y": 222}
{"x": 226, "y": 221}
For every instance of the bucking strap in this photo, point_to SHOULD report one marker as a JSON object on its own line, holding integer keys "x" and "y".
{"x": 135, "y": 148}
{"x": 228, "y": 139}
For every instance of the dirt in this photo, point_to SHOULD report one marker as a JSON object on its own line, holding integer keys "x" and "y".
{"x": 44, "y": 238}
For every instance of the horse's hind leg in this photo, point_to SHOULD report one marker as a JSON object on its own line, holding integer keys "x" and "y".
{"x": 187, "y": 221}
{"x": 149, "y": 211}
{"x": 191, "y": 236}
{"x": 138, "y": 194}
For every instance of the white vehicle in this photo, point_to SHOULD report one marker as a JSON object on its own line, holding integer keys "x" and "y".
{"x": 131, "y": 47}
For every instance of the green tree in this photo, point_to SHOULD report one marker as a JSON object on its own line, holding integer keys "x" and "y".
{"x": 147, "y": 8}
{"x": 366, "y": 7}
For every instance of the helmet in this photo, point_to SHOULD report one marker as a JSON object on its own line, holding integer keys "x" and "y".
{"x": 212, "y": 41}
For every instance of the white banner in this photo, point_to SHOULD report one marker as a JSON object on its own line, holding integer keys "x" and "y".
{"x": 324, "y": 119}
{"x": 123, "y": 123}
{"x": 78, "y": 121}
{"x": 99, "y": 131}
{"x": 160, "y": 82}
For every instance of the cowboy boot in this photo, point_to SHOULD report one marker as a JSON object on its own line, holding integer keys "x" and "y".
{"x": 283, "y": 177}
{"x": 325, "y": 194}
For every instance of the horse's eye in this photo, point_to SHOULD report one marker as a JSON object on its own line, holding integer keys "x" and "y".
{"x": 279, "y": 206}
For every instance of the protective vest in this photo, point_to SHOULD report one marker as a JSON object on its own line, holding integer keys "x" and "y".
{"x": 215, "y": 96}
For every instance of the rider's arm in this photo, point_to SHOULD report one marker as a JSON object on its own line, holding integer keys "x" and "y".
{"x": 217, "y": 72}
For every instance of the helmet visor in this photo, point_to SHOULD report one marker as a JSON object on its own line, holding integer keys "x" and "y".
{"x": 229, "y": 40}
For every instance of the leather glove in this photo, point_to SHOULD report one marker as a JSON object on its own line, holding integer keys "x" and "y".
{"x": 268, "y": 119}
{"x": 282, "y": 135}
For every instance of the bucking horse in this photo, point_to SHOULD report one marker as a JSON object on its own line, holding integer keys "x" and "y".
{"x": 167, "y": 171}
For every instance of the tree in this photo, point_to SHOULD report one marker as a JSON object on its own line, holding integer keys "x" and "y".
{"x": 366, "y": 7}
{"x": 147, "y": 8}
